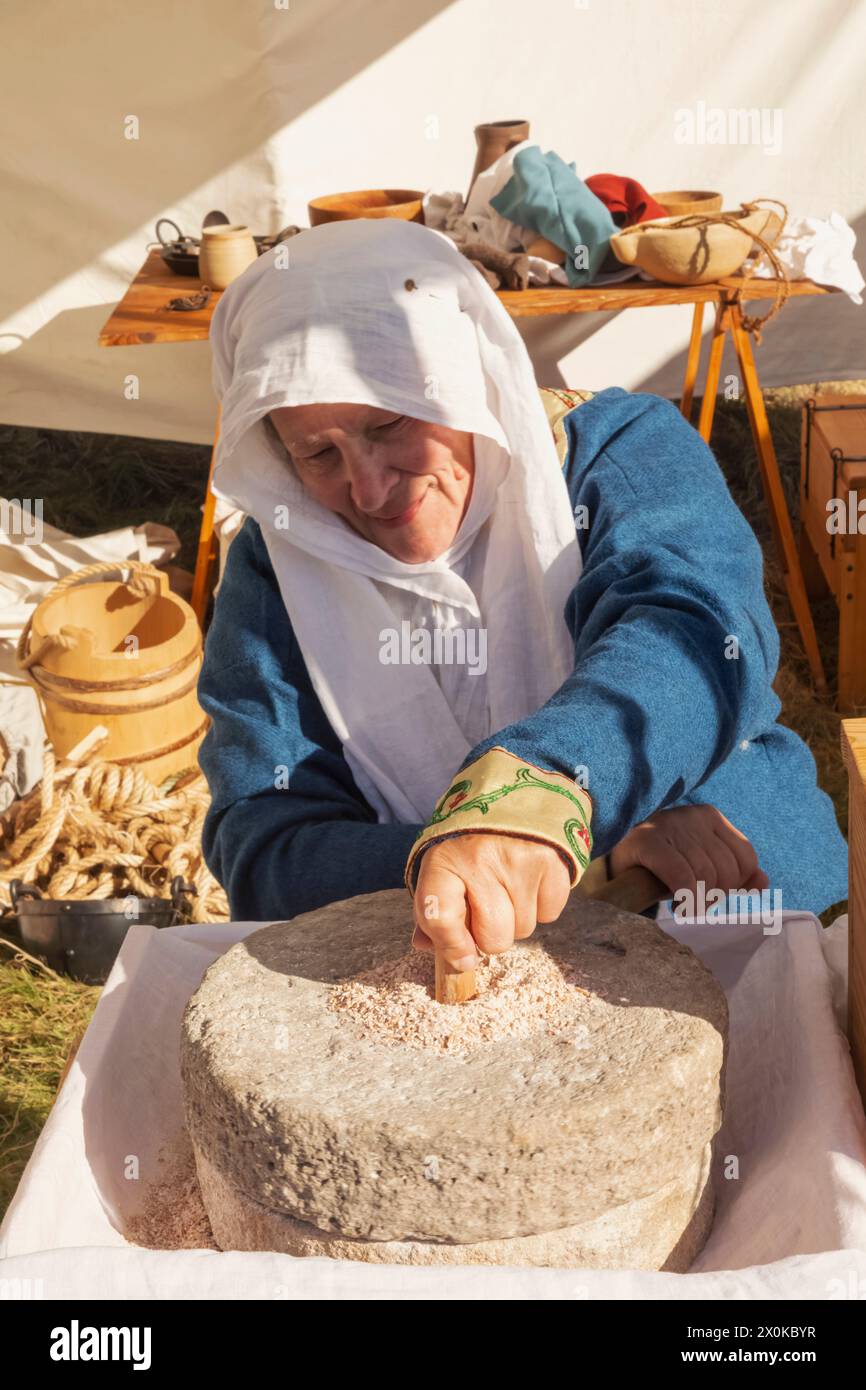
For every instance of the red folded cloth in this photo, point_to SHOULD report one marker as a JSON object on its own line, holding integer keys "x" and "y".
{"x": 626, "y": 200}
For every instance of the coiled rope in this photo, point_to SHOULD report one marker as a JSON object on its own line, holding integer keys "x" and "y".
{"x": 94, "y": 829}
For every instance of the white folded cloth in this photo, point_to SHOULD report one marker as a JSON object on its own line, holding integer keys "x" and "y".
{"x": 819, "y": 249}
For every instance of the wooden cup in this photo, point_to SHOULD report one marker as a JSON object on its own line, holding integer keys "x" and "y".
{"x": 225, "y": 252}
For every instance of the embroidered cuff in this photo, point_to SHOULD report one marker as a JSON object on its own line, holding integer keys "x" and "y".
{"x": 502, "y": 794}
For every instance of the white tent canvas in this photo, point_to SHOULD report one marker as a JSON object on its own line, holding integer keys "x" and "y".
{"x": 119, "y": 115}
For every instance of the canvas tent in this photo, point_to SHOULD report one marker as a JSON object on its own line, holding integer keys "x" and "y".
{"x": 118, "y": 115}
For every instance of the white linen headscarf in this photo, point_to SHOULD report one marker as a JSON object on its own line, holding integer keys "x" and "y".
{"x": 390, "y": 314}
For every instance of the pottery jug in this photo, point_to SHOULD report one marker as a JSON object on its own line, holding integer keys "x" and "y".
{"x": 493, "y": 140}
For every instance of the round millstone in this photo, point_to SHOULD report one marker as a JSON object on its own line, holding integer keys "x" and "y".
{"x": 663, "y": 1231}
{"x": 373, "y": 1142}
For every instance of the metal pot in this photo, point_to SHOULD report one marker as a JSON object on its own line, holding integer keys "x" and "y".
{"x": 82, "y": 938}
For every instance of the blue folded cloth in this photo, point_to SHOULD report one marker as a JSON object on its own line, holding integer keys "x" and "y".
{"x": 546, "y": 194}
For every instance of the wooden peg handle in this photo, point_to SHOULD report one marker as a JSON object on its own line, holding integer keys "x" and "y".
{"x": 634, "y": 890}
{"x": 453, "y": 986}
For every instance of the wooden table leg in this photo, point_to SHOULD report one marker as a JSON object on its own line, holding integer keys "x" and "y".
{"x": 780, "y": 521}
{"x": 693, "y": 361}
{"x": 714, "y": 367}
{"x": 202, "y": 585}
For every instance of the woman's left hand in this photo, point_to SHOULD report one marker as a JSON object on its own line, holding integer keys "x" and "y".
{"x": 687, "y": 846}
{"x": 483, "y": 892}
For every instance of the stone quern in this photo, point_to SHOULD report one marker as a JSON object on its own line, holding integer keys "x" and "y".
{"x": 586, "y": 1147}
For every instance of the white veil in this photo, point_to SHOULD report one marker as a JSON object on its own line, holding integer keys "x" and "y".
{"x": 390, "y": 314}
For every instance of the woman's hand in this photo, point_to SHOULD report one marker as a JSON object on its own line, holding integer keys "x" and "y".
{"x": 691, "y": 844}
{"x": 483, "y": 892}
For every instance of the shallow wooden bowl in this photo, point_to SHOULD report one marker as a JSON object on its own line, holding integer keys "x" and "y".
{"x": 679, "y": 202}
{"x": 367, "y": 202}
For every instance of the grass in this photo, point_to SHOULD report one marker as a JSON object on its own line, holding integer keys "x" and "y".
{"x": 41, "y": 1016}
{"x": 89, "y": 483}
{"x": 93, "y": 483}
{"x": 100, "y": 482}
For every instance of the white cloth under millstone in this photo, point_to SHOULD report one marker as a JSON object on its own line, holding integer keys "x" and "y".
{"x": 790, "y": 1224}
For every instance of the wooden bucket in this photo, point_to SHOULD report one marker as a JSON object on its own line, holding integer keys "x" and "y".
{"x": 123, "y": 654}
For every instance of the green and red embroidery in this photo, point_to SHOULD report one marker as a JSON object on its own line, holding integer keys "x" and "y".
{"x": 457, "y": 800}
{"x": 569, "y": 397}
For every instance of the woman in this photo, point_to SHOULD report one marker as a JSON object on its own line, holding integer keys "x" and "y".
{"x": 439, "y": 655}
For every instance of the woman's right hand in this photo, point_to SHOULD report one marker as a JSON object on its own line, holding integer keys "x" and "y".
{"x": 483, "y": 892}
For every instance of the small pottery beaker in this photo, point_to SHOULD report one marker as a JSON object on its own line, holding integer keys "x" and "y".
{"x": 225, "y": 252}
{"x": 493, "y": 140}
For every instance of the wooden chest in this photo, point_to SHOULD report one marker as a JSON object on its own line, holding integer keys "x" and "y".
{"x": 833, "y": 525}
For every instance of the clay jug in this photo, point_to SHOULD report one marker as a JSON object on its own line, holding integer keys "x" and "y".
{"x": 225, "y": 252}
{"x": 493, "y": 140}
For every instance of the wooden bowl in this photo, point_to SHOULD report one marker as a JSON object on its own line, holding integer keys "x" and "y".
{"x": 681, "y": 201}
{"x": 405, "y": 203}
{"x": 693, "y": 255}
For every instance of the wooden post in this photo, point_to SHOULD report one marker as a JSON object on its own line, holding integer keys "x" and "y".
{"x": 780, "y": 521}
{"x": 714, "y": 367}
{"x": 854, "y": 752}
{"x": 693, "y": 362}
{"x": 201, "y": 585}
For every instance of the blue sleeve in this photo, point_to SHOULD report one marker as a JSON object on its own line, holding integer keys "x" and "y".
{"x": 675, "y": 646}
{"x": 287, "y": 829}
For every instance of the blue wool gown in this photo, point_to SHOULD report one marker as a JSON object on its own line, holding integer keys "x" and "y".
{"x": 670, "y": 702}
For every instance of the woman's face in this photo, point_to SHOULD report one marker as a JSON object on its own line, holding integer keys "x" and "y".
{"x": 397, "y": 481}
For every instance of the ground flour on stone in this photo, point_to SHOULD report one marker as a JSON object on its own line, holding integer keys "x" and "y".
{"x": 520, "y": 993}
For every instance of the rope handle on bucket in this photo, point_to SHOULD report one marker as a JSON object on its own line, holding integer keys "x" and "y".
{"x": 144, "y": 579}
